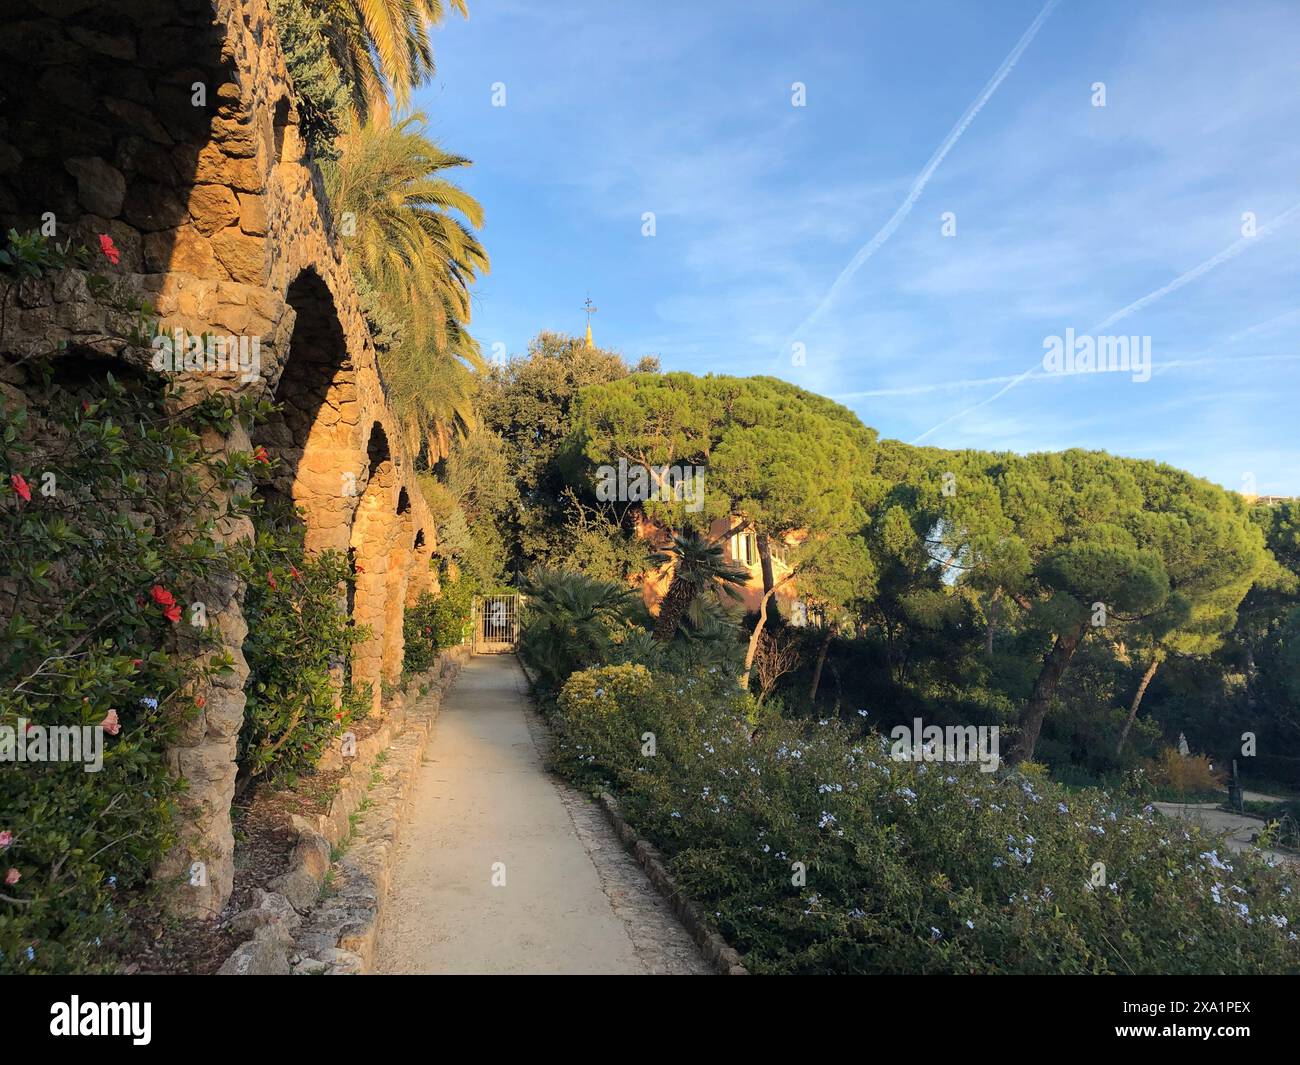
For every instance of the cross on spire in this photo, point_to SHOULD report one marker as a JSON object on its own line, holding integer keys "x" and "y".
{"x": 590, "y": 308}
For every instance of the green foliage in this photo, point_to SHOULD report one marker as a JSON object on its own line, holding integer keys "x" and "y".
{"x": 101, "y": 480}
{"x": 299, "y": 644}
{"x": 780, "y": 458}
{"x": 910, "y": 867}
{"x": 571, "y": 621}
{"x": 322, "y": 96}
{"x": 530, "y": 405}
{"x": 415, "y": 248}
{"x": 452, "y": 613}
{"x": 419, "y": 634}
{"x": 469, "y": 494}
{"x": 380, "y": 48}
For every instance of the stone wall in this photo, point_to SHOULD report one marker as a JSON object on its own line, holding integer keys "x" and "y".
{"x": 168, "y": 126}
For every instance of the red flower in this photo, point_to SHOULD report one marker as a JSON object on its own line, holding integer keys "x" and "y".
{"x": 261, "y": 456}
{"x": 20, "y": 486}
{"x": 294, "y": 571}
{"x": 270, "y": 579}
{"x": 109, "y": 249}
{"x": 162, "y": 596}
{"x": 200, "y": 701}
{"x": 136, "y": 662}
{"x": 172, "y": 613}
{"x": 359, "y": 567}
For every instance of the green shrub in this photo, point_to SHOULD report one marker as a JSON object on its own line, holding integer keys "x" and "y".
{"x": 298, "y": 648}
{"x": 452, "y": 612}
{"x": 420, "y": 634}
{"x": 1177, "y": 775}
{"x": 99, "y": 480}
{"x": 910, "y": 867}
{"x": 570, "y": 622}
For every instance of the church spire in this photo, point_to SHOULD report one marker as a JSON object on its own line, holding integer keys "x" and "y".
{"x": 590, "y": 308}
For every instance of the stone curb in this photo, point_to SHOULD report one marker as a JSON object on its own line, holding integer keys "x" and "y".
{"x": 296, "y": 928}
{"x": 719, "y": 953}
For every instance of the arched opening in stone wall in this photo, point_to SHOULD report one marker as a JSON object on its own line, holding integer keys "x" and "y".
{"x": 279, "y": 125}
{"x": 372, "y": 540}
{"x": 395, "y": 591}
{"x": 314, "y": 435}
{"x": 419, "y": 571}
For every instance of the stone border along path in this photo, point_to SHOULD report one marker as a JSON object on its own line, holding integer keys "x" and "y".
{"x": 321, "y": 916}
{"x": 485, "y": 807}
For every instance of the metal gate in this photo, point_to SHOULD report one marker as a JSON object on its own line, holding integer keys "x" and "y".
{"x": 496, "y": 623}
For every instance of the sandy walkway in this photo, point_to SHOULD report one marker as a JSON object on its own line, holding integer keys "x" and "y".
{"x": 573, "y": 901}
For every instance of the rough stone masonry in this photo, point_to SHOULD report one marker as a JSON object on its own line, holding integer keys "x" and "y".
{"x": 168, "y": 125}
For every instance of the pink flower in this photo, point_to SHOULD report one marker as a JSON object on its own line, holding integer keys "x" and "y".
{"x": 109, "y": 249}
{"x": 20, "y": 487}
{"x": 12, "y": 877}
{"x": 110, "y": 725}
{"x": 6, "y": 838}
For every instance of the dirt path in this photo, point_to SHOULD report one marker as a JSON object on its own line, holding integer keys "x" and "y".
{"x": 1239, "y": 831}
{"x": 485, "y": 807}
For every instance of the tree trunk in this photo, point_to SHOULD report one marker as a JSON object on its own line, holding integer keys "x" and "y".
{"x": 992, "y": 616}
{"x": 765, "y": 558}
{"x": 1040, "y": 699}
{"x": 821, "y": 661}
{"x": 754, "y": 638}
{"x": 1137, "y": 701}
{"x": 674, "y": 604}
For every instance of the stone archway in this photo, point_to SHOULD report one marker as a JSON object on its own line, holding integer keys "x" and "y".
{"x": 170, "y": 129}
{"x": 420, "y": 577}
{"x": 314, "y": 437}
{"x": 396, "y": 578}
{"x": 371, "y": 546}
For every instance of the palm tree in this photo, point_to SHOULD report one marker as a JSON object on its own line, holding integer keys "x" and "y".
{"x": 382, "y": 47}
{"x": 570, "y": 621}
{"x": 698, "y": 566}
{"x": 416, "y": 260}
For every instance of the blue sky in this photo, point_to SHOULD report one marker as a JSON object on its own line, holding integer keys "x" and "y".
{"x": 1067, "y": 214}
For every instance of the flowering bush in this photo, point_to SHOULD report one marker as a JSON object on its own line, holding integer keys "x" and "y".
{"x": 298, "y": 648}
{"x": 817, "y": 853}
{"x": 99, "y": 479}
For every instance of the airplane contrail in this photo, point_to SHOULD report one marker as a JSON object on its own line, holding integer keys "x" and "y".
{"x": 1230, "y": 252}
{"x": 923, "y": 178}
